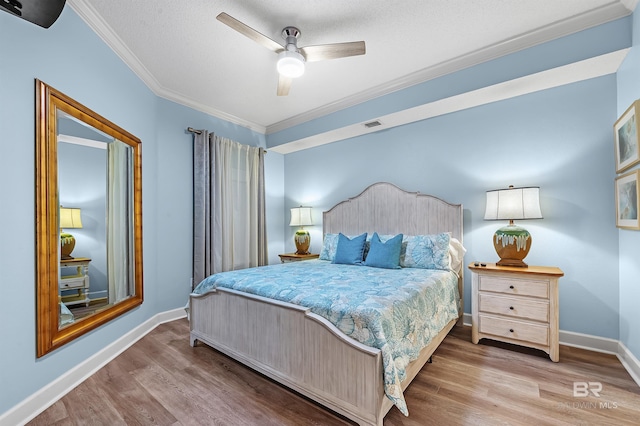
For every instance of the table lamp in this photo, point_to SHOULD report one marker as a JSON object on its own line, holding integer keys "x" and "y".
{"x": 512, "y": 243}
{"x": 69, "y": 219}
{"x": 301, "y": 216}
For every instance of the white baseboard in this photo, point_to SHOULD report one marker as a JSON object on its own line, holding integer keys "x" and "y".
{"x": 605, "y": 345}
{"x": 466, "y": 319}
{"x": 596, "y": 344}
{"x": 589, "y": 342}
{"x": 630, "y": 362}
{"x": 30, "y": 407}
{"x": 45, "y": 397}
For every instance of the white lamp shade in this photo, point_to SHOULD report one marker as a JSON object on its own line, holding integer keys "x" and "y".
{"x": 301, "y": 216}
{"x": 513, "y": 203}
{"x": 290, "y": 64}
{"x": 70, "y": 218}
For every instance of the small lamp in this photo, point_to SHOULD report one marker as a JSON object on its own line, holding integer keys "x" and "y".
{"x": 301, "y": 216}
{"x": 69, "y": 219}
{"x": 512, "y": 243}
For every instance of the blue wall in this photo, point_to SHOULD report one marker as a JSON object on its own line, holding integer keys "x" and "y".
{"x": 82, "y": 183}
{"x": 629, "y": 91}
{"x": 73, "y": 59}
{"x": 559, "y": 139}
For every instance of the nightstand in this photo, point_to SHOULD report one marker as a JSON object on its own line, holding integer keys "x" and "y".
{"x": 516, "y": 305}
{"x": 292, "y": 257}
{"x": 74, "y": 275}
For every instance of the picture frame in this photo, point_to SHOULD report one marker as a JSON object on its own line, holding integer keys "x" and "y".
{"x": 627, "y": 138}
{"x": 627, "y": 190}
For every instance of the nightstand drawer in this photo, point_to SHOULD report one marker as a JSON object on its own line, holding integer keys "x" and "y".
{"x": 526, "y": 332}
{"x": 514, "y": 307}
{"x": 535, "y": 288}
{"x": 71, "y": 283}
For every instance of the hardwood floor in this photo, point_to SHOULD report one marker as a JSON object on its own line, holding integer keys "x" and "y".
{"x": 161, "y": 380}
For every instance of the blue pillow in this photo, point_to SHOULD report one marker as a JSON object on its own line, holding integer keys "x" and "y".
{"x": 349, "y": 252}
{"x": 384, "y": 255}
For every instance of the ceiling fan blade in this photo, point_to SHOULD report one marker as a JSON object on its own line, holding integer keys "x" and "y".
{"x": 333, "y": 51}
{"x": 249, "y": 32}
{"x": 284, "y": 84}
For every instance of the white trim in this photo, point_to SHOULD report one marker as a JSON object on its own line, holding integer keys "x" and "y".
{"x": 93, "y": 19}
{"x": 607, "y": 13}
{"x": 30, "y": 407}
{"x": 466, "y": 319}
{"x": 630, "y": 362}
{"x": 33, "y": 405}
{"x": 589, "y": 342}
{"x": 595, "y": 344}
{"x": 604, "y": 345}
{"x": 82, "y": 141}
{"x": 578, "y": 71}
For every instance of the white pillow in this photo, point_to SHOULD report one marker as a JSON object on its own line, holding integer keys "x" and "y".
{"x": 456, "y": 254}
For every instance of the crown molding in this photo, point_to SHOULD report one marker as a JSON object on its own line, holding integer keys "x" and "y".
{"x": 91, "y": 17}
{"x": 177, "y": 98}
{"x": 578, "y": 71}
{"x": 607, "y": 13}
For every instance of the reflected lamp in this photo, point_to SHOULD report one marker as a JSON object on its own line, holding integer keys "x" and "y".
{"x": 512, "y": 242}
{"x": 69, "y": 219}
{"x": 301, "y": 216}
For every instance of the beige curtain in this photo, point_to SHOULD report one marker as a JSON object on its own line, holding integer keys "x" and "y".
{"x": 228, "y": 206}
{"x": 120, "y": 264}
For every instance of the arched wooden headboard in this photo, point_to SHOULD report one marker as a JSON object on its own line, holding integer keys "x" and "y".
{"x": 386, "y": 209}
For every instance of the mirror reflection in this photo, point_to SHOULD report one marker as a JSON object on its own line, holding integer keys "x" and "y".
{"x": 95, "y": 197}
{"x": 88, "y": 220}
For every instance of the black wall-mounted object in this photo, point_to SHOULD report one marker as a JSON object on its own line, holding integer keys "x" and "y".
{"x": 40, "y": 12}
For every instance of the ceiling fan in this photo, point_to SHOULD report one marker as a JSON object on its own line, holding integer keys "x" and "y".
{"x": 291, "y": 58}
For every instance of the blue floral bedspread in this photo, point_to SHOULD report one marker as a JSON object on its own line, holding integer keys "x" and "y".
{"x": 398, "y": 311}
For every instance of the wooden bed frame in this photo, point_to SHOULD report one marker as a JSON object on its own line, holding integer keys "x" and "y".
{"x": 304, "y": 351}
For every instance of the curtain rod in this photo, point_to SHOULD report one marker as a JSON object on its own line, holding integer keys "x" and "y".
{"x": 199, "y": 132}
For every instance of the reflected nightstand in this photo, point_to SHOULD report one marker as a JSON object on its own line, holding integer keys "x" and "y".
{"x": 74, "y": 275}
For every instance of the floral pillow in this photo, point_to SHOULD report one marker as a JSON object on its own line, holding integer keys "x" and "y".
{"x": 426, "y": 252}
{"x": 329, "y": 246}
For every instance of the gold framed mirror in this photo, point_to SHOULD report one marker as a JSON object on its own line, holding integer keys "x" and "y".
{"x": 109, "y": 249}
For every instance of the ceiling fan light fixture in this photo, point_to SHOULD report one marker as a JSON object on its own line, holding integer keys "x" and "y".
{"x": 290, "y": 64}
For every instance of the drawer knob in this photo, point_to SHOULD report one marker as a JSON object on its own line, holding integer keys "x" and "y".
{"x": 511, "y": 287}
{"x": 511, "y": 330}
{"x": 511, "y": 307}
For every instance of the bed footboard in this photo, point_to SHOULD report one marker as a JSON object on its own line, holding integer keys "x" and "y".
{"x": 295, "y": 347}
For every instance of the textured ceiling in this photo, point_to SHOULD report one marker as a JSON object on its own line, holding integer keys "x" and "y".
{"x": 184, "y": 54}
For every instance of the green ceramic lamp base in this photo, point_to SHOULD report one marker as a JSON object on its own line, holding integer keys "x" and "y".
{"x": 512, "y": 243}
{"x": 302, "y": 240}
{"x": 67, "y": 244}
